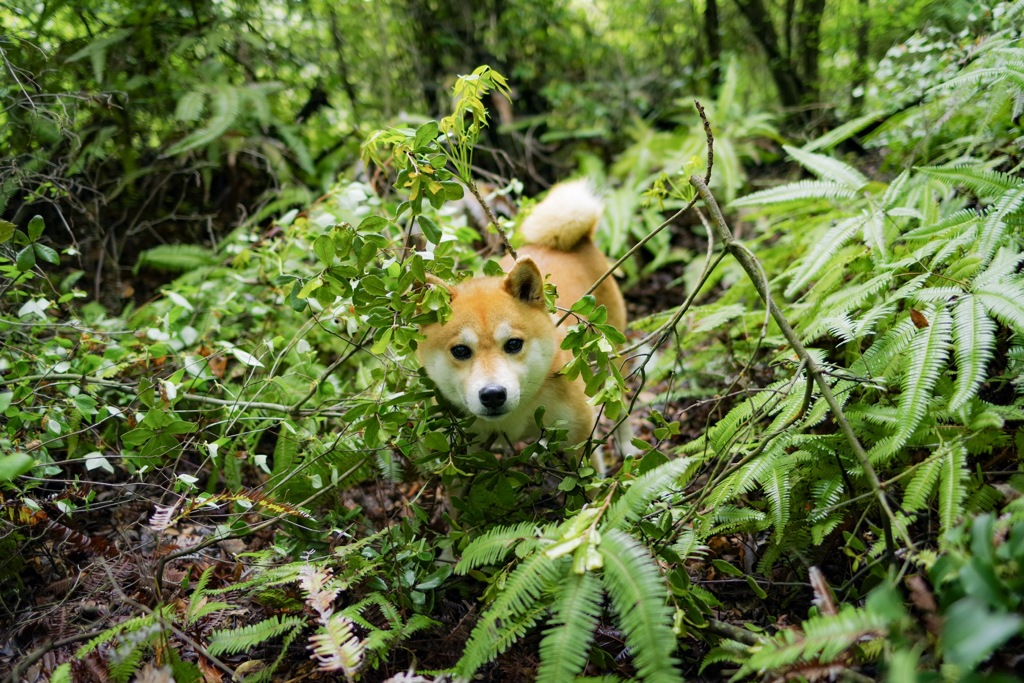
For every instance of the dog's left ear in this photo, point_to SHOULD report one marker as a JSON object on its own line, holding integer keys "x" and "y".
{"x": 525, "y": 282}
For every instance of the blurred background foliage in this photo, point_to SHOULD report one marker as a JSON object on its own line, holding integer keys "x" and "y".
{"x": 134, "y": 124}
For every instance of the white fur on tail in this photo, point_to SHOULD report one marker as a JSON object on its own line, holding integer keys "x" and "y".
{"x": 570, "y": 212}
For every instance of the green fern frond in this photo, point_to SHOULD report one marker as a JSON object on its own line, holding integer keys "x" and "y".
{"x": 190, "y": 106}
{"x": 728, "y": 518}
{"x": 982, "y": 181}
{"x": 997, "y": 220}
{"x": 825, "y": 638}
{"x": 928, "y": 354}
{"x": 952, "y": 489}
{"x": 744, "y": 479}
{"x": 665, "y": 478}
{"x": 959, "y": 221}
{"x": 922, "y": 485}
{"x": 827, "y": 168}
{"x": 637, "y": 593}
{"x": 798, "y": 191}
{"x": 521, "y": 603}
{"x": 225, "y": 106}
{"x": 825, "y": 493}
{"x": 974, "y": 339}
{"x": 824, "y": 249}
{"x": 177, "y": 258}
{"x": 1005, "y": 302}
{"x": 494, "y": 545}
{"x": 575, "y": 615}
{"x": 126, "y": 626}
{"x": 233, "y": 641}
{"x": 777, "y": 488}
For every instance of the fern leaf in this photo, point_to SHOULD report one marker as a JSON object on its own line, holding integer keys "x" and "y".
{"x": 982, "y": 181}
{"x": 825, "y": 248}
{"x": 566, "y": 645}
{"x": 665, "y": 478}
{"x": 224, "y": 102}
{"x": 177, "y": 258}
{"x": 637, "y": 594}
{"x": 338, "y": 648}
{"x": 922, "y": 484}
{"x": 928, "y": 353}
{"x": 996, "y": 221}
{"x": 952, "y": 489}
{"x": 190, "y": 106}
{"x": 233, "y": 641}
{"x": 874, "y": 236}
{"x": 798, "y": 191}
{"x": 956, "y": 222}
{"x": 492, "y": 547}
{"x": 1005, "y": 302}
{"x": 519, "y": 606}
{"x": 973, "y": 341}
{"x": 777, "y": 488}
{"x": 827, "y": 168}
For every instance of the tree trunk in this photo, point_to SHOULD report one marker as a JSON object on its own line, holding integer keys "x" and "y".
{"x": 787, "y": 79}
{"x": 714, "y": 38}
{"x": 860, "y": 78}
{"x": 807, "y": 46}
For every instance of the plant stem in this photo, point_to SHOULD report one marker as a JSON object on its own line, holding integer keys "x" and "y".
{"x": 754, "y": 271}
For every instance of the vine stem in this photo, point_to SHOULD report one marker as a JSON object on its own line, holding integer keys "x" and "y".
{"x": 754, "y": 271}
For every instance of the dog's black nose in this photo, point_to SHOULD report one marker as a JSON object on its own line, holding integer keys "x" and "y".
{"x": 493, "y": 396}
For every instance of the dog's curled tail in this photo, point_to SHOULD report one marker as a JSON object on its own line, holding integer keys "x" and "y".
{"x": 569, "y": 213}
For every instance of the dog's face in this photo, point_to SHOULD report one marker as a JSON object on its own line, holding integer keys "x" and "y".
{"x": 495, "y": 352}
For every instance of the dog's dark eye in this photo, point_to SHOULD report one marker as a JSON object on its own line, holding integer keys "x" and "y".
{"x": 461, "y": 352}
{"x": 513, "y": 346}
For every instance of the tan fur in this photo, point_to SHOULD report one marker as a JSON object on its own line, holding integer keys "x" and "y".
{"x": 487, "y": 312}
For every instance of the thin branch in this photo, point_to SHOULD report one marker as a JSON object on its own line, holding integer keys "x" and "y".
{"x": 491, "y": 218}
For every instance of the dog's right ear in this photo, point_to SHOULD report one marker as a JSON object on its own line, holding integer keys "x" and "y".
{"x": 525, "y": 282}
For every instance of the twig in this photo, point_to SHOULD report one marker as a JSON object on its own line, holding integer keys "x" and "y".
{"x": 491, "y": 218}
{"x": 740, "y": 635}
{"x": 750, "y": 264}
{"x": 37, "y": 654}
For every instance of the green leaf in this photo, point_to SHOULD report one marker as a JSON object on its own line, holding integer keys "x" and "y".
{"x": 323, "y": 247}
{"x": 972, "y": 632}
{"x": 974, "y": 339}
{"x": 5, "y": 400}
{"x": 46, "y": 254}
{"x": 35, "y": 227}
{"x": 6, "y": 231}
{"x": 430, "y": 230}
{"x": 26, "y": 259}
{"x": 426, "y": 134}
{"x": 15, "y": 465}
{"x": 928, "y": 354}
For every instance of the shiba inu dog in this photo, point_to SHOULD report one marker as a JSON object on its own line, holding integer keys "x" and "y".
{"x": 498, "y": 357}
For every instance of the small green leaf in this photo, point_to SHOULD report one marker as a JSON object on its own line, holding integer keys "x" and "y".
{"x": 726, "y": 568}
{"x": 426, "y": 134}
{"x": 323, "y": 246}
{"x": 6, "y": 231}
{"x": 430, "y": 230}
{"x": 5, "y": 400}
{"x": 26, "y": 259}
{"x": 35, "y": 227}
{"x": 15, "y": 465}
{"x": 46, "y": 254}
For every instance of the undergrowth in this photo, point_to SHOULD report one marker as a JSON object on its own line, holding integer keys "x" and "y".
{"x": 272, "y": 389}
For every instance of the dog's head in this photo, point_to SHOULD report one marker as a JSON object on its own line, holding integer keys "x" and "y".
{"x": 494, "y": 353}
